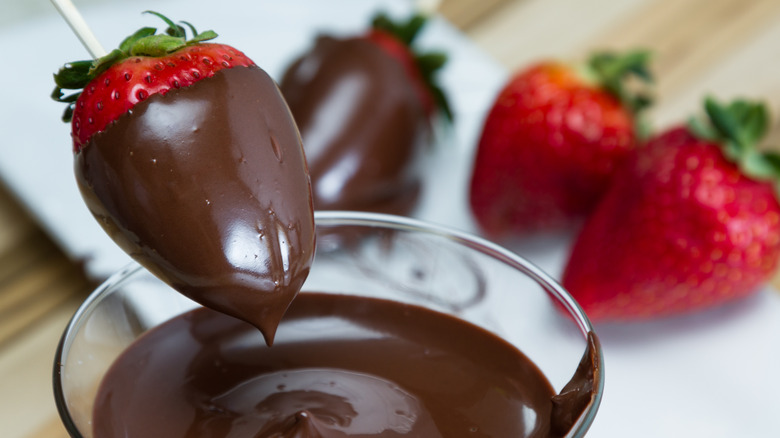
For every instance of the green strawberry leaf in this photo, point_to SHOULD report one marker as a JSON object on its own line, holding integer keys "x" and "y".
{"x": 442, "y": 103}
{"x": 756, "y": 165}
{"x": 431, "y": 62}
{"x": 406, "y": 32}
{"x": 60, "y": 97}
{"x": 774, "y": 159}
{"x": 198, "y": 37}
{"x": 192, "y": 28}
{"x": 128, "y": 42}
{"x": 72, "y": 76}
{"x": 203, "y": 36}
{"x": 738, "y": 128}
{"x": 612, "y": 72}
{"x": 173, "y": 29}
{"x": 102, "y": 64}
{"x": 726, "y": 121}
{"x": 412, "y": 28}
{"x": 701, "y": 129}
{"x": 755, "y": 124}
{"x": 741, "y": 121}
{"x": 157, "y": 45}
{"x": 734, "y": 151}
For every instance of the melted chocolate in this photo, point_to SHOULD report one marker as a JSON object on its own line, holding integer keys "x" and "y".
{"x": 362, "y": 125}
{"x": 341, "y": 366}
{"x": 207, "y": 187}
{"x": 579, "y": 391}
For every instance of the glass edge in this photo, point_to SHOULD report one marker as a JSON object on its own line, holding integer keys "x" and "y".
{"x": 66, "y": 339}
{"x": 364, "y": 219}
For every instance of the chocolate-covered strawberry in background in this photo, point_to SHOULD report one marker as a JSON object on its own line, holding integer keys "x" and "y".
{"x": 187, "y": 156}
{"x": 691, "y": 221}
{"x": 552, "y": 141}
{"x": 365, "y": 106}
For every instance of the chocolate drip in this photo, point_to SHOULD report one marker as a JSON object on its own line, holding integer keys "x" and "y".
{"x": 362, "y": 124}
{"x": 207, "y": 187}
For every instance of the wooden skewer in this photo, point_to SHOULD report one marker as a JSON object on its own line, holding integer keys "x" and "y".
{"x": 79, "y": 27}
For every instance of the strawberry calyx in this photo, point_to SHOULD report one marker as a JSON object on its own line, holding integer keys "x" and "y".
{"x": 614, "y": 71}
{"x": 423, "y": 67}
{"x": 144, "y": 42}
{"x": 739, "y": 128}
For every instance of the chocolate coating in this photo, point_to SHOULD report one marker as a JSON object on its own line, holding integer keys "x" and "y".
{"x": 362, "y": 123}
{"x": 341, "y": 366}
{"x": 207, "y": 187}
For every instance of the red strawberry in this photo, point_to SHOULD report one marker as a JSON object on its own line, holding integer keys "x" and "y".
{"x": 364, "y": 106}
{"x": 691, "y": 221}
{"x": 552, "y": 141}
{"x": 186, "y": 154}
{"x": 144, "y": 64}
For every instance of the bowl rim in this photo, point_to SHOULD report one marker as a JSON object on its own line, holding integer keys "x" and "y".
{"x": 365, "y": 219}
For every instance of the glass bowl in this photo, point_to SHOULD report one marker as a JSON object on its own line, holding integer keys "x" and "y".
{"x": 367, "y": 254}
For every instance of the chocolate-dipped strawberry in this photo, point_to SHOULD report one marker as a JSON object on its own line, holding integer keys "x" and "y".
{"x": 365, "y": 107}
{"x": 187, "y": 155}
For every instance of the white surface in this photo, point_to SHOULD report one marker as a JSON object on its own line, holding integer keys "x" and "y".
{"x": 712, "y": 374}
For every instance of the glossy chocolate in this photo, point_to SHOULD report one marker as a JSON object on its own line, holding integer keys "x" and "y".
{"x": 341, "y": 366}
{"x": 362, "y": 124}
{"x": 207, "y": 188}
{"x": 579, "y": 392}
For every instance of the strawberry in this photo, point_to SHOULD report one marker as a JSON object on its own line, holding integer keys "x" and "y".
{"x": 552, "y": 141}
{"x": 186, "y": 154}
{"x": 364, "y": 105}
{"x": 691, "y": 221}
{"x": 144, "y": 64}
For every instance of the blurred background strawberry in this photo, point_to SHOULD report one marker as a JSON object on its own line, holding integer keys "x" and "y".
{"x": 552, "y": 141}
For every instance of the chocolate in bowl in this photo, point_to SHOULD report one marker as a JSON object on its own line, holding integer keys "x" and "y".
{"x": 408, "y": 262}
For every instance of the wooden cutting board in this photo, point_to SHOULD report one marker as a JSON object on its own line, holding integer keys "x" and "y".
{"x": 723, "y": 47}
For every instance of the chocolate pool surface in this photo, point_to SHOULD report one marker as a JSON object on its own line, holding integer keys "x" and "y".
{"x": 341, "y": 366}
